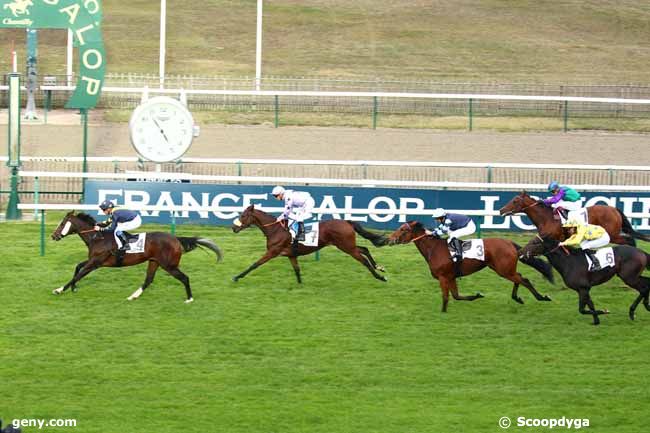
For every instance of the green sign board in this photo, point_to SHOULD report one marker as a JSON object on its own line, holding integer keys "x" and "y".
{"x": 83, "y": 18}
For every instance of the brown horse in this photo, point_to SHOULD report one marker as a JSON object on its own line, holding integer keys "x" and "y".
{"x": 161, "y": 249}
{"x": 610, "y": 218}
{"x": 500, "y": 255}
{"x": 339, "y": 233}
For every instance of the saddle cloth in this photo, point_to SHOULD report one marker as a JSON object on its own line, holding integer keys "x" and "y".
{"x": 580, "y": 215}
{"x": 311, "y": 235}
{"x": 472, "y": 249}
{"x": 605, "y": 256}
{"x": 136, "y": 243}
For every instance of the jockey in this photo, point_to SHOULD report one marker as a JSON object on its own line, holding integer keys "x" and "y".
{"x": 297, "y": 208}
{"x": 455, "y": 225}
{"x": 563, "y": 198}
{"x": 119, "y": 221}
{"x": 588, "y": 237}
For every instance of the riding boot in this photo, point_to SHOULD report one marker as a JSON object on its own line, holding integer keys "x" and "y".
{"x": 457, "y": 246}
{"x": 125, "y": 242}
{"x": 300, "y": 236}
{"x": 595, "y": 264}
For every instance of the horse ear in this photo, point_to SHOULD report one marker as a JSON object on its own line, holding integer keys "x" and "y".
{"x": 523, "y": 192}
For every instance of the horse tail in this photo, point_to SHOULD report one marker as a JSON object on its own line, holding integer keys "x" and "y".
{"x": 377, "y": 240}
{"x": 538, "y": 264}
{"x": 626, "y": 227}
{"x": 190, "y": 244}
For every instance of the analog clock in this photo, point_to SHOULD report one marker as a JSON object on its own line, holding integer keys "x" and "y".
{"x": 161, "y": 129}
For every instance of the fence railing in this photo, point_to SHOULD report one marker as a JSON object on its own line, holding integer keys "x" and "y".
{"x": 417, "y": 174}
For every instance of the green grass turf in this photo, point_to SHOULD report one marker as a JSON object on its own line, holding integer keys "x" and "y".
{"x": 540, "y": 41}
{"x": 340, "y": 353}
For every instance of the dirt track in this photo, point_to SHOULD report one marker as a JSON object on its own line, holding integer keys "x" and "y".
{"x": 65, "y": 139}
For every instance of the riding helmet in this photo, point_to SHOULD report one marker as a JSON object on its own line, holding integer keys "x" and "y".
{"x": 438, "y": 213}
{"x": 553, "y": 185}
{"x": 106, "y": 204}
{"x": 277, "y": 191}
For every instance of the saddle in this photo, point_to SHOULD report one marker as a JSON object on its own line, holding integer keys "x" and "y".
{"x": 560, "y": 214}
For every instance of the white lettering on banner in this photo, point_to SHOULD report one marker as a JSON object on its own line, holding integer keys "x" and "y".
{"x": 488, "y": 220}
{"x": 130, "y": 200}
{"x": 373, "y": 206}
{"x": 189, "y": 201}
{"x": 646, "y": 208}
{"x": 92, "y": 86}
{"x": 248, "y": 199}
{"x": 328, "y": 203}
{"x": 216, "y": 202}
{"x": 72, "y": 12}
{"x": 404, "y": 205}
{"x": 349, "y": 216}
{"x": 599, "y": 199}
{"x": 165, "y": 199}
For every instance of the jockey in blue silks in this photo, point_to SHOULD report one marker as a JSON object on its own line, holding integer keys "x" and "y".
{"x": 455, "y": 226}
{"x": 119, "y": 221}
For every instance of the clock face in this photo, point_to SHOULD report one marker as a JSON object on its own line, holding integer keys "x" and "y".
{"x": 161, "y": 129}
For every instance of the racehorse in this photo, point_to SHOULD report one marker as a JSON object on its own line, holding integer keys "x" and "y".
{"x": 610, "y": 218}
{"x": 161, "y": 249}
{"x": 500, "y": 255}
{"x": 339, "y": 233}
{"x": 628, "y": 263}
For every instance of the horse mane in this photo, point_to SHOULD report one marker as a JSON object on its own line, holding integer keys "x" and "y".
{"x": 86, "y": 218}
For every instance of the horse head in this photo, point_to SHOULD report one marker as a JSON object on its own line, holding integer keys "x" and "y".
{"x": 73, "y": 223}
{"x": 406, "y": 233}
{"x": 245, "y": 220}
{"x": 518, "y": 203}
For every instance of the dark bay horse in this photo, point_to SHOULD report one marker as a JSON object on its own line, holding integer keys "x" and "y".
{"x": 339, "y": 233}
{"x": 161, "y": 249}
{"x": 500, "y": 255}
{"x": 629, "y": 263}
{"x": 610, "y": 218}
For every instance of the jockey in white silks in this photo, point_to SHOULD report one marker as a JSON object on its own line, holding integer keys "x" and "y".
{"x": 298, "y": 206}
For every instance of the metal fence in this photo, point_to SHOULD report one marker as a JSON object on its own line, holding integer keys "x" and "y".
{"x": 53, "y": 190}
{"x": 368, "y": 105}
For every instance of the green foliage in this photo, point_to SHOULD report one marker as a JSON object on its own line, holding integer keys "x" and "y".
{"x": 342, "y": 352}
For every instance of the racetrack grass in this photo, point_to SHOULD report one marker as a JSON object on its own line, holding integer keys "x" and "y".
{"x": 340, "y": 353}
{"x": 542, "y": 41}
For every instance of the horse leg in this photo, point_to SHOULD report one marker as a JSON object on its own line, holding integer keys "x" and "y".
{"x": 76, "y": 271}
{"x": 265, "y": 258}
{"x": 151, "y": 273}
{"x": 527, "y": 284}
{"x": 366, "y": 252}
{"x": 623, "y": 239}
{"x": 585, "y": 299}
{"x": 296, "y": 267}
{"x": 176, "y": 273}
{"x": 451, "y": 286}
{"x": 85, "y": 270}
{"x": 515, "y": 297}
{"x": 354, "y": 252}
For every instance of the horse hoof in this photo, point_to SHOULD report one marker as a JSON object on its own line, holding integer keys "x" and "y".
{"x": 605, "y": 311}
{"x": 519, "y": 301}
{"x": 631, "y": 315}
{"x": 235, "y": 279}
{"x": 547, "y": 298}
{"x": 480, "y": 295}
{"x": 57, "y": 291}
{"x": 74, "y": 289}
{"x": 188, "y": 301}
{"x": 384, "y": 279}
{"x": 381, "y": 269}
{"x": 135, "y": 295}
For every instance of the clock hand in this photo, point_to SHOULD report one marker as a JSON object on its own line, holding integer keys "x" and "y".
{"x": 161, "y": 130}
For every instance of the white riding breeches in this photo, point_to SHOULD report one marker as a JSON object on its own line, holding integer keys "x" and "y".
{"x": 595, "y": 243}
{"x": 469, "y": 229}
{"x": 126, "y": 226}
{"x": 568, "y": 205}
